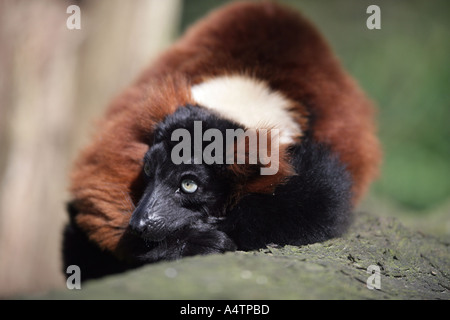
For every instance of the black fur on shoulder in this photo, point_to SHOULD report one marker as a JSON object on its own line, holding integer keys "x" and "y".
{"x": 313, "y": 206}
{"x": 78, "y": 250}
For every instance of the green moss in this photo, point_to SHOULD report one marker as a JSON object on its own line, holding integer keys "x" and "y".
{"x": 413, "y": 266}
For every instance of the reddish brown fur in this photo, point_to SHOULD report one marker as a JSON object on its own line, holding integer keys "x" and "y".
{"x": 264, "y": 40}
{"x": 247, "y": 176}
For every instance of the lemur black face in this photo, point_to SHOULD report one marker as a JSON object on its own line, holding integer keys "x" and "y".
{"x": 178, "y": 196}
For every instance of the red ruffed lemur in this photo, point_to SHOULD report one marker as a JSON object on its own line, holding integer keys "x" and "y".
{"x": 138, "y": 197}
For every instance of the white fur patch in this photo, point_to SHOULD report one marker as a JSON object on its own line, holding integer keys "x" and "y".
{"x": 249, "y": 102}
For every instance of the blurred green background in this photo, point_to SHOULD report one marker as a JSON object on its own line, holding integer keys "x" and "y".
{"x": 404, "y": 67}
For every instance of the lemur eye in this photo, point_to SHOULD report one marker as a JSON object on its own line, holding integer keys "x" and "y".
{"x": 189, "y": 186}
{"x": 147, "y": 169}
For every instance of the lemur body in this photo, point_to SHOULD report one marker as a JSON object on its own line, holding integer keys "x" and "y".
{"x": 245, "y": 66}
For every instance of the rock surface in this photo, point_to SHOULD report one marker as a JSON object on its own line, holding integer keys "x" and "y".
{"x": 412, "y": 266}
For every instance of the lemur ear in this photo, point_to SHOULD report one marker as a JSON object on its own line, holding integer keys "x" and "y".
{"x": 259, "y": 165}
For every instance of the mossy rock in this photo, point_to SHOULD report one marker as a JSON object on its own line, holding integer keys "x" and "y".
{"x": 412, "y": 266}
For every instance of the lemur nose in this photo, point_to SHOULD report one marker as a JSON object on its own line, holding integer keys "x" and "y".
{"x": 152, "y": 227}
